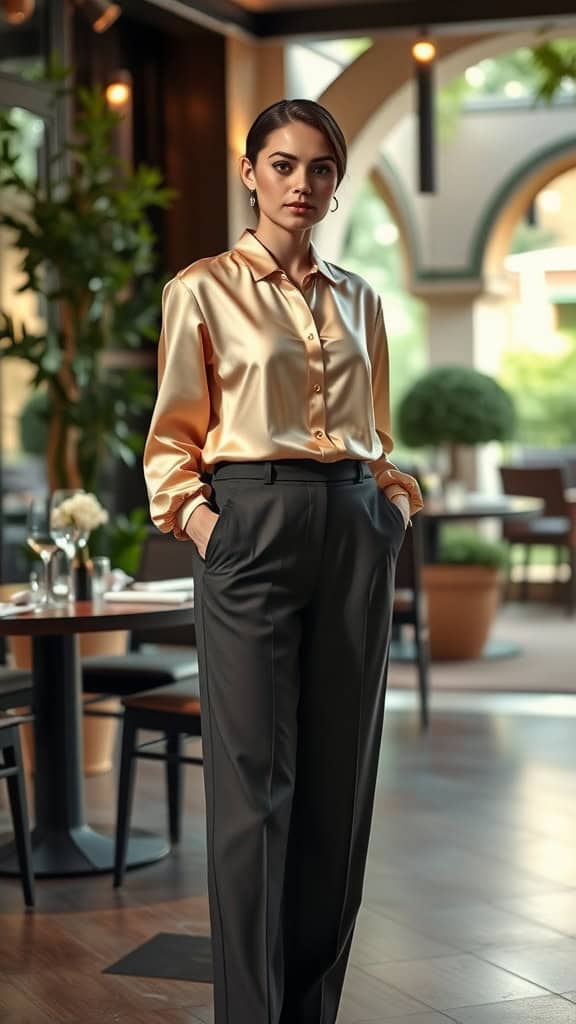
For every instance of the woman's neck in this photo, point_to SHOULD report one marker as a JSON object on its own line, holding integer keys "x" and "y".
{"x": 290, "y": 249}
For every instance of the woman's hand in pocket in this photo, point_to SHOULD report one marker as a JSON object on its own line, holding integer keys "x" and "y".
{"x": 402, "y": 502}
{"x": 199, "y": 527}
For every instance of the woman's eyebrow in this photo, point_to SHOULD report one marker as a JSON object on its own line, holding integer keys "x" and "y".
{"x": 290, "y": 156}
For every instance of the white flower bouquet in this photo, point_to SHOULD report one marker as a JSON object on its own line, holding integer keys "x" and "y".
{"x": 82, "y": 511}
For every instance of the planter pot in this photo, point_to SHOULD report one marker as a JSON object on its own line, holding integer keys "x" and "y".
{"x": 462, "y": 602}
{"x": 99, "y": 733}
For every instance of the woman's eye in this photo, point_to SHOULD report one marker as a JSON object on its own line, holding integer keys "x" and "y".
{"x": 282, "y": 166}
{"x": 322, "y": 169}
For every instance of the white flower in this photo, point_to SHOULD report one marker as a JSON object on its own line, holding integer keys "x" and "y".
{"x": 82, "y": 510}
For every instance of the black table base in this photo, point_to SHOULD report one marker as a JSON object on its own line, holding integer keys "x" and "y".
{"x": 81, "y": 851}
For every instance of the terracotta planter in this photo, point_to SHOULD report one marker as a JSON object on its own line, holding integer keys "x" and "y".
{"x": 462, "y": 602}
{"x": 99, "y": 733}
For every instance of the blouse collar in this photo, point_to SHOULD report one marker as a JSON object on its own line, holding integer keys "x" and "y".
{"x": 262, "y": 263}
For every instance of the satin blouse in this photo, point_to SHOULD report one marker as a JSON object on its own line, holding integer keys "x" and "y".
{"x": 250, "y": 367}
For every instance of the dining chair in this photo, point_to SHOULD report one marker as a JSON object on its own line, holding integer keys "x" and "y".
{"x": 175, "y": 713}
{"x": 139, "y": 670}
{"x": 554, "y": 527}
{"x": 410, "y": 608}
{"x": 15, "y": 688}
{"x": 12, "y": 770}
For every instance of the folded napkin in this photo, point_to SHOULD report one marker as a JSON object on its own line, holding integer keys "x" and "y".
{"x": 149, "y": 596}
{"x": 8, "y": 608}
{"x": 180, "y": 583}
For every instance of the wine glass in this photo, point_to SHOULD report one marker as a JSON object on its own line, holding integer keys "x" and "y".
{"x": 66, "y": 534}
{"x": 39, "y": 538}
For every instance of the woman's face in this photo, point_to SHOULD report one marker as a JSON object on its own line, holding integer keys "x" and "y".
{"x": 294, "y": 176}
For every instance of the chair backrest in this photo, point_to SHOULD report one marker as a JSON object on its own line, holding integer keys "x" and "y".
{"x": 546, "y": 482}
{"x": 409, "y": 569}
{"x": 164, "y": 558}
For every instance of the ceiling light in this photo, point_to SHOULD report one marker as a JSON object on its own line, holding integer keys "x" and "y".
{"x": 119, "y": 90}
{"x": 424, "y": 51}
{"x": 16, "y": 12}
{"x": 100, "y": 13}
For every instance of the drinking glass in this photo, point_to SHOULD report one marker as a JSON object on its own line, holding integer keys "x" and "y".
{"x": 101, "y": 569}
{"x": 39, "y": 538}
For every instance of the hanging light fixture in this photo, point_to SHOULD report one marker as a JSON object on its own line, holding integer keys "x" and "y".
{"x": 100, "y": 13}
{"x": 424, "y": 54}
{"x": 16, "y": 12}
{"x": 119, "y": 90}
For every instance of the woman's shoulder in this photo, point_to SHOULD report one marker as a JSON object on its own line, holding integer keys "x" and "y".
{"x": 206, "y": 269}
{"x": 353, "y": 282}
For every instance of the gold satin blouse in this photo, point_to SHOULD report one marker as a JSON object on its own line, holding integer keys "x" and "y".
{"x": 252, "y": 368}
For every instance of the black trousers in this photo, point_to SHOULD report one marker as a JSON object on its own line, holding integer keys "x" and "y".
{"x": 293, "y": 606}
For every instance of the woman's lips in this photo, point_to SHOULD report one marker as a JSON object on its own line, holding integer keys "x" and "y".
{"x": 299, "y": 207}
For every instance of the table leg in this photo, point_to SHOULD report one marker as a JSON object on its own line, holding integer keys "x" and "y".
{"x": 62, "y": 841}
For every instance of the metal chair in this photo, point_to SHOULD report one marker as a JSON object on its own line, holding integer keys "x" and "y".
{"x": 410, "y": 608}
{"x": 11, "y": 769}
{"x": 555, "y": 527}
{"x": 174, "y": 712}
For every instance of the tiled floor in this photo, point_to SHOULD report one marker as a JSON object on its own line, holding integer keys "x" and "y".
{"x": 469, "y": 910}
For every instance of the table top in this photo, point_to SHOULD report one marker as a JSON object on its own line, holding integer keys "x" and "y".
{"x": 91, "y": 617}
{"x": 482, "y": 506}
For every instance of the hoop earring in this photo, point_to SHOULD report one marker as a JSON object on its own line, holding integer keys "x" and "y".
{"x": 252, "y": 199}
{"x": 334, "y": 208}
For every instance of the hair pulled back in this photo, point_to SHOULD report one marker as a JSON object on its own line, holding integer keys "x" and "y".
{"x": 309, "y": 112}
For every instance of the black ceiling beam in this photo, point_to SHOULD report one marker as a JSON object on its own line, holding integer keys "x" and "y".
{"x": 220, "y": 12}
{"x": 356, "y": 16}
{"x": 366, "y": 17}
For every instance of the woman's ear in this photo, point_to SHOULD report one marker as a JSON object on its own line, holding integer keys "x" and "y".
{"x": 247, "y": 173}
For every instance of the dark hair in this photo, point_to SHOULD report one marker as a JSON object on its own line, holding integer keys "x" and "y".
{"x": 285, "y": 111}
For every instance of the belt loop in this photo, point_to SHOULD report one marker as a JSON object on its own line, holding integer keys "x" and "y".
{"x": 359, "y": 472}
{"x": 268, "y": 473}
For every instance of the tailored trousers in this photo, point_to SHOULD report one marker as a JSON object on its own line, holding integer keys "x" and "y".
{"x": 293, "y": 609}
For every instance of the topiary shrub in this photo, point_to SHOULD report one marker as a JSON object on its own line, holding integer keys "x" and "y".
{"x": 455, "y": 405}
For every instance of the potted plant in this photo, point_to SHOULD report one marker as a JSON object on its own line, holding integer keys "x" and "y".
{"x": 88, "y": 256}
{"x": 462, "y": 593}
{"x": 452, "y": 406}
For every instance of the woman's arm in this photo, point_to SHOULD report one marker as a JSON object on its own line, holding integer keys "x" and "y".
{"x": 173, "y": 450}
{"x": 395, "y": 483}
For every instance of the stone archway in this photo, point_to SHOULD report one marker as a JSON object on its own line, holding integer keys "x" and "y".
{"x": 367, "y": 114}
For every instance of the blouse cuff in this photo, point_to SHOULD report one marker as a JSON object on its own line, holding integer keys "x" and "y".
{"x": 185, "y": 511}
{"x": 393, "y": 482}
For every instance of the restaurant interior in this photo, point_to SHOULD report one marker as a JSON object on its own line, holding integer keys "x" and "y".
{"x": 121, "y": 130}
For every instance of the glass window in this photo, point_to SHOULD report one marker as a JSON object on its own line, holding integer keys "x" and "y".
{"x": 24, "y": 47}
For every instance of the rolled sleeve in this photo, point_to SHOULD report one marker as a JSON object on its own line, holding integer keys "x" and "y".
{"x": 179, "y": 425}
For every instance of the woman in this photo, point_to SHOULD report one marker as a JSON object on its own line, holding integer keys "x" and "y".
{"x": 268, "y": 448}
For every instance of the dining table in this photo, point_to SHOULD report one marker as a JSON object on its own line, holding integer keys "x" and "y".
{"x": 471, "y": 506}
{"x": 63, "y": 842}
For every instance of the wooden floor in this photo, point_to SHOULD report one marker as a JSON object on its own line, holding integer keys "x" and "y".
{"x": 470, "y": 899}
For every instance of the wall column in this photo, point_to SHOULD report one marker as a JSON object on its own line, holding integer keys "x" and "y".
{"x": 471, "y": 330}
{"x": 254, "y": 80}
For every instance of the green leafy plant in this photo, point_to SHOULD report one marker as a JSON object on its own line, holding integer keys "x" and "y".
{"x": 122, "y": 539}
{"x": 460, "y": 546}
{"x": 555, "y": 65}
{"x": 88, "y": 255}
{"x": 452, "y": 406}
